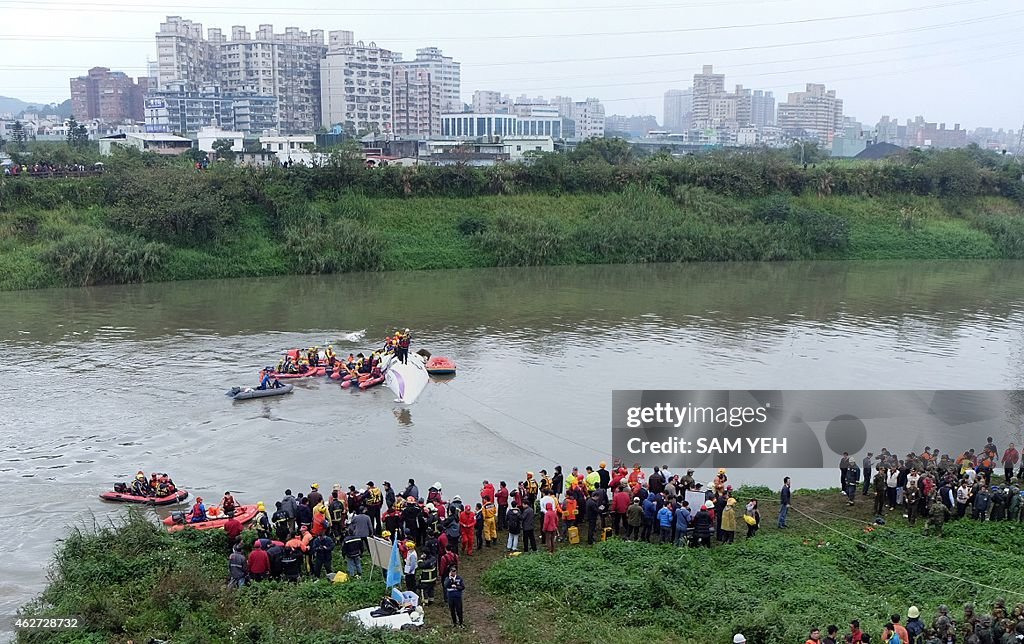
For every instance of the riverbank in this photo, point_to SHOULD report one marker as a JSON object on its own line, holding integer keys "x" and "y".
{"x": 134, "y": 581}
{"x": 141, "y": 224}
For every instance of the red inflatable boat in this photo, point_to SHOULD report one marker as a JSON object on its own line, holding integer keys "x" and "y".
{"x": 316, "y": 371}
{"x": 440, "y": 366}
{"x": 121, "y": 497}
{"x": 243, "y": 513}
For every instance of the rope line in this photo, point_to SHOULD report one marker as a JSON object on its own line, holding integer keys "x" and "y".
{"x": 528, "y": 424}
{"x": 903, "y": 559}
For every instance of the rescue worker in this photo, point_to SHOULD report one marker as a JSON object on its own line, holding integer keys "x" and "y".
{"x": 374, "y": 502}
{"x": 467, "y": 526}
{"x": 140, "y": 486}
{"x": 936, "y": 517}
{"x": 531, "y": 489}
{"x": 258, "y": 562}
{"x": 198, "y": 512}
{"x": 404, "y": 340}
{"x": 261, "y": 522}
{"x": 281, "y": 522}
{"x": 228, "y": 504}
{"x": 236, "y": 567}
{"x": 427, "y": 576}
{"x": 338, "y": 514}
{"x": 490, "y": 514}
{"x": 322, "y": 547}
{"x": 330, "y": 355}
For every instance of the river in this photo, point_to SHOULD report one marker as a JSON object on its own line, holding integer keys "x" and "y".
{"x": 100, "y": 382}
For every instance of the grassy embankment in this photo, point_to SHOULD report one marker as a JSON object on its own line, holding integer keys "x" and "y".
{"x": 135, "y": 582}
{"x": 167, "y": 222}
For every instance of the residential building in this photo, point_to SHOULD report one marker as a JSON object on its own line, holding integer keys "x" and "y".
{"x": 356, "y": 85}
{"x": 169, "y": 144}
{"x": 109, "y": 96}
{"x": 295, "y": 149}
{"x": 762, "y": 108}
{"x": 678, "y": 113}
{"x": 187, "y": 111}
{"x": 445, "y": 73}
{"x": 207, "y": 136}
{"x": 851, "y": 139}
{"x": 285, "y": 65}
{"x": 519, "y": 146}
{"x": 416, "y": 103}
{"x": 589, "y": 118}
{"x": 184, "y": 55}
{"x": 706, "y": 85}
{"x": 489, "y": 102}
{"x": 815, "y": 113}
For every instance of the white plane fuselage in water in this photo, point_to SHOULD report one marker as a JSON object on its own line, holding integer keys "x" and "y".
{"x": 407, "y": 380}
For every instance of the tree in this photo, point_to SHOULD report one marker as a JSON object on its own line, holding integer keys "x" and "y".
{"x": 18, "y": 135}
{"x": 78, "y": 134}
{"x": 807, "y": 152}
{"x": 195, "y": 155}
{"x": 222, "y": 148}
{"x": 611, "y": 151}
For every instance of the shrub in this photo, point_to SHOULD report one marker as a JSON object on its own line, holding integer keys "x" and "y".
{"x": 517, "y": 240}
{"x": 336, "y": 247}
{"x": 471, "y": 225}
{"x": 87, "y": 257}
{"x": 775, "y": 209}
{"x": 823, "y": 230}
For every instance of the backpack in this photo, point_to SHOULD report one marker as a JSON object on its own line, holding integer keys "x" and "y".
{"x": 514, "y": 520}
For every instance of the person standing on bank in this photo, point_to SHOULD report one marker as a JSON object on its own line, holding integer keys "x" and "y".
{"x": 785, "y": 498}
{"x": 454, "y": 586}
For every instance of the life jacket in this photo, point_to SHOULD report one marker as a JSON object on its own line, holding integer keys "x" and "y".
{"x": 531, "y": 487}
{"x": 375, "y": 497}
{"x": 403, "y": 342}
{"x": 570, "y": 508}
{"x": 545, "y": 483}
{"x": 337, "y": 510}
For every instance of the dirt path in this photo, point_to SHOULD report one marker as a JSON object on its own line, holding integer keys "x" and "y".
{"x": 480, "y": 608}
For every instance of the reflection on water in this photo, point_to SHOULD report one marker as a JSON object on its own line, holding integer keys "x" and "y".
{"x": 100, "y": 382}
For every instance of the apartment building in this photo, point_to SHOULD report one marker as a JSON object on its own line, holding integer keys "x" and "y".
{"x": 416, "y": 103}
{"x": 108, "y": 96}
{"x": 678, "y": 114}
{"x": 285, "y": 65}
{"x": 445, "y": 74}
{"x": 706, "y": 85}
{"x": 814, "y": 113}
{"x": 356, "y": 85}
{"x": 186, "y": 111}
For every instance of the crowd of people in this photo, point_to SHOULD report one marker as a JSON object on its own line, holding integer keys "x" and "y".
{"x": 998, "y": 626}
{"x": 939, "y": 487}
{"x": 433, "y": 533}
{"x": 45, "y": 168}
{"x": 158, "y": 485}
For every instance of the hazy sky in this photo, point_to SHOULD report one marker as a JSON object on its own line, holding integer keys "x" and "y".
{"x": 947, "y": 60}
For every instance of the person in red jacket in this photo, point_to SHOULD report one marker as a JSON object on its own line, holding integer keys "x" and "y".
{"x": 620, "y": 504}
{"x": 501, "y": 498}
{"x": 487, "y": 492}
{"x": 233, "y": 528}
{"x": 259, "y": 562}
{"x": 467, "y": 524}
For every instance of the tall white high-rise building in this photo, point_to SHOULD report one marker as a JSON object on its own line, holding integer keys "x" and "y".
{"x": 183, "y": 55}
{"x": 356, "y": 85}
{"x": 678, "y": 110}
{"x": 706, "y": 85}
{"x": 445, "y": 73}
{"x": 762, "y": 108}
{"x": 283, "y": 65}
{"x": 815, "y": 112}
{"x": 589, "y": 118}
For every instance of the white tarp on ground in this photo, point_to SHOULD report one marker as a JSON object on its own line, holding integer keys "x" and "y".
{"x": 394, "y": 622}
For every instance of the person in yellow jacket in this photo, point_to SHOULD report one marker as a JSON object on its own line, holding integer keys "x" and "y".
{"x": 729, "y": 521}
{"x": 490, "y": 512}
{"x": 593, "y": 479}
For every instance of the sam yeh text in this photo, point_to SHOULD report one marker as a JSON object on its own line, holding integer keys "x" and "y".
{"x": 739, "y": 445}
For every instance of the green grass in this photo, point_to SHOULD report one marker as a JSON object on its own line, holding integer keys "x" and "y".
{"x": 39, "y": 247}
{"x": 133, "y": 581}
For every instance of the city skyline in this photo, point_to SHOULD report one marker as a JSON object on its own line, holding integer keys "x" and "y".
{"x": 882, "y": 58}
